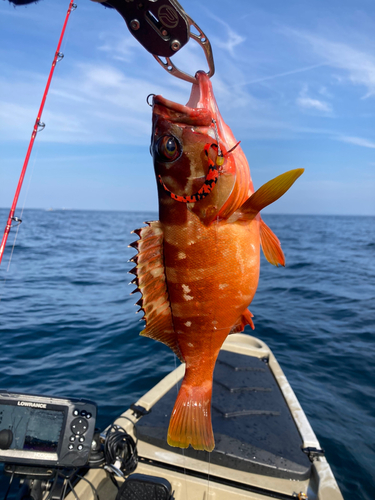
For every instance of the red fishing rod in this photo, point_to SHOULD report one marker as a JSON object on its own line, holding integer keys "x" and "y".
{"x": 37, "y": 126}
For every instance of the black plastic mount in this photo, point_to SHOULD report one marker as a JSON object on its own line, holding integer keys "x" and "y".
{"x": 139, "y": 411}
{"x": 313, "y": 452}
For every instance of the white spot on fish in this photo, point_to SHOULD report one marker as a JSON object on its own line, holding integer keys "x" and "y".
{"x": 181, "y": 255}
{"x": 188, "y": 297}
{"x": 190, "y": 344}
{"x": 223, "y": 285}
{"x": 188, "y": 323}
{"x": 155, "y": 272}
{"x": 186, "y": 288}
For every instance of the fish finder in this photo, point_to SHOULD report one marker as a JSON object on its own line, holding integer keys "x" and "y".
{"x": 45, "y": 431}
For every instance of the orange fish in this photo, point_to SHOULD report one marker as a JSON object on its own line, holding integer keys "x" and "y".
{"x": 197, "y": 268}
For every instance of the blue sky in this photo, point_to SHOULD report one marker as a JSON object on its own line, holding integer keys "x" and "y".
{"x": 294, "y": 80}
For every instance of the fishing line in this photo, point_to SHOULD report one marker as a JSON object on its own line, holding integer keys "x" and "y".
{"x": 68, "y": 30}
{"x": 20, "y": 218}
{"x": 11, "y": 252}
{"x": 217, "y": 138}
{"x": 182, "y": 449}
{"x": 216, "y": 330}
{"x": 208, "y": 478}
{"x": 30, "y": 177}
{"x": 185, "y": 475}
{"x": 175, "y": 367}
{"x": 24, "y": 203}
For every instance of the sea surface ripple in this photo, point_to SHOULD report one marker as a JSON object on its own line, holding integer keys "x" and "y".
{"x": 69, "y": 325}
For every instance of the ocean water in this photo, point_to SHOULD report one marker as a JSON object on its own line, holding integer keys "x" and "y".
{"x": 69, "y": 327}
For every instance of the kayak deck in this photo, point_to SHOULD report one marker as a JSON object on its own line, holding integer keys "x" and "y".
{"x": 260, "y": 433}
{"x": 254, "y": 429}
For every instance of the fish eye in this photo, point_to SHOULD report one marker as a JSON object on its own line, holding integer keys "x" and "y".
{"x": 168, "y": 148}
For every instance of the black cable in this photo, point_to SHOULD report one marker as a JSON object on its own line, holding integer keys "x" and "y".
{"x": 65, "y": 488}
{"x": 9, "y": 485}
{"x": 134, "y": 427}
{"x": 112, "y": 478}
{"x": 66, "y": 478}
{"x": 72, "y": 489}
{"x": 119, "y": 445}
{"x": 53, "y": 486}
{"x": 94, "y": 490}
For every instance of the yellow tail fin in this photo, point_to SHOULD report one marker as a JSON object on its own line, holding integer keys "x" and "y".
{"x": 191, "y": 418}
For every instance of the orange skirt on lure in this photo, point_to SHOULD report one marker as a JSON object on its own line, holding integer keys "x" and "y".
{"x": 197, "y": 268}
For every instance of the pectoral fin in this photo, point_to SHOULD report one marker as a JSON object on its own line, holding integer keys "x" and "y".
{"x": 271, "y": 245}
{"x": 269, "y": 192}
{"x": 150, "y": 281}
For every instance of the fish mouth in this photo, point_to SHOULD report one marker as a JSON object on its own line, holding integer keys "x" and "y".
{"x": 199, "y": 110}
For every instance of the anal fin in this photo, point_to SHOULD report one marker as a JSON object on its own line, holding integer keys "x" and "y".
{"x": 271, "y": 245}
{"x": 150, "y": 281}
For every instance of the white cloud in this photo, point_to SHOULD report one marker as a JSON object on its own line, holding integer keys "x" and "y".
{"x": 358, "y": 64}
{"x": 122, "y": 48}
{"x": 91, "y": 103}
{"x": 306, "y": 102}
{"x": 358, "y": 141}
{"x": 233, "y": 38}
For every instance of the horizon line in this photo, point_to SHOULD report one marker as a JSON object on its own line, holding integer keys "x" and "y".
{"x": 51, "y": 209}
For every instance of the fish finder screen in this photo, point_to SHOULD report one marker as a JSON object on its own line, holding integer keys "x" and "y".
{"x": 33, "y": 429}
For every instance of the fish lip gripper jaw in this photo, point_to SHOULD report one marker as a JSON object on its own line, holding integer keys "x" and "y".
{"x": 163, "y": 28}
